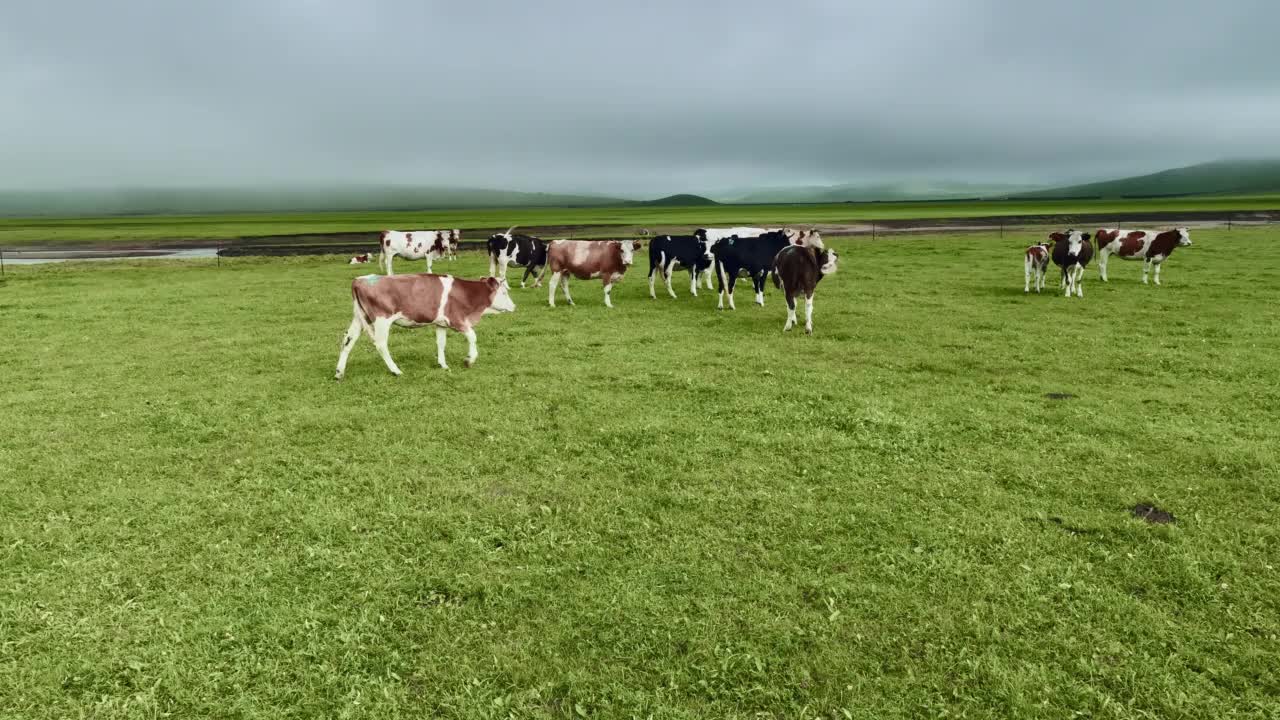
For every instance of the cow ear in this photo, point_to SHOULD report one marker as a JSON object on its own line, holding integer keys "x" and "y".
{"x": 1084, "y": 236}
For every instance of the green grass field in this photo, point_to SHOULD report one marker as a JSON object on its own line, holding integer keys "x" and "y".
{"x": 656, "y": 511}
{"x": 134, "y": 230}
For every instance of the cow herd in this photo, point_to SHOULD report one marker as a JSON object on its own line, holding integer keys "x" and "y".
{"x": 1072, "y": 250}
{"x": 796, "y": 260}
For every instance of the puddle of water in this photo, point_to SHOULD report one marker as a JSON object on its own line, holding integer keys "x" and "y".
{"x": 38, "y": 257}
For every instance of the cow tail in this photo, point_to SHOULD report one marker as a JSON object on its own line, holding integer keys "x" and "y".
{"x": 362, "y": 315}
{"x": 773, "y": 272}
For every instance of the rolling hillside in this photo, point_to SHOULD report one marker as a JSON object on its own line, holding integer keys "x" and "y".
{"x": 1236, "y": 177}
{"x": 883, "y": 192}
{"x": 186, "y": 201}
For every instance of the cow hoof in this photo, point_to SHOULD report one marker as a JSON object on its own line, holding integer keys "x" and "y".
{"x": 338, "y": 377}
{"x": 808, "y": 331}
{"x": 468, "y": 364}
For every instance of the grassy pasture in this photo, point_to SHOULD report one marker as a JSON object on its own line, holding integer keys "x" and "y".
{"x": 135, "y": 230}
{"x": 656, "y": 511}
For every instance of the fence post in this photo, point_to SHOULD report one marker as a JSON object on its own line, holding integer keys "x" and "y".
{"x": 218, "y": 252}
{"x": 1228, "y": 224}
{"x": 1, "y": 261}
{"x": 1002, "y": 228}
{"x": 873, "y": 231}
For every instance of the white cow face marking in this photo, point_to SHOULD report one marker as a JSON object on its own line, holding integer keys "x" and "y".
{"x": 1184, "y": 237}
{"x": 706, "y": 249}
{"x": 628, "y": 251}
{"x": 829, "y": 264}
{"x": 502, "y": 301}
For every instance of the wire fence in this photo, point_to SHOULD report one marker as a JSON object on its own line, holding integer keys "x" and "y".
{"x": 1011, "y": 230}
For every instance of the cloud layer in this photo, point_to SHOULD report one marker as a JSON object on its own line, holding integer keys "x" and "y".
{"x": 634, "y": 98}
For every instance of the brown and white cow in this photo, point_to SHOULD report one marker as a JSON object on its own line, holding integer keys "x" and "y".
{"x": 586, "y": 259}
{"x": 796, "y": 271}
{"x": 418, "y": 244}
{"x": 361, "y": 259}
{"x": 449, "y": 303}
{"x": 1035, "y": 263}
{"x": 1152, "y": 248}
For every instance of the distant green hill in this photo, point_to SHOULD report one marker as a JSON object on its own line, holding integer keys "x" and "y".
{"x": 681, "y": 200}
{"x": 1223, "y": 177}
{"x": 854, "y": 192}
{"x": 191, "y": 201}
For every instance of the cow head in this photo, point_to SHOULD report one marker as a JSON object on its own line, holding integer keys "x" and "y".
{"x": 501, "y": 295}
{"x": 1184, "y": 237}
{"x": 804, "y": 238}
{"x": 827, "y": 262}
{"x": 628, "y": 249}
{"x": 705, "y": 246}
{"x": 701, "y": 234}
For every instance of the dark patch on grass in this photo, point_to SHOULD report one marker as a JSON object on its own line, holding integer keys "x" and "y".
{"x": 1152, "y": 514}
{"x": 1059, "y": 396}
{"x": 1060, "y": 523}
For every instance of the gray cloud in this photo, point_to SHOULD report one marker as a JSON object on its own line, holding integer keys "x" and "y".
{"x": 653, "y": 97}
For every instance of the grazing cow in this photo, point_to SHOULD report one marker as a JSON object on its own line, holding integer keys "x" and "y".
{"x": 361, "y": 259}
{"x": 713, "y": 235}
{"x": 667, "y": 251}
{"x": 418, "y": 244}
{"x": 755, "y": 256}
{"x": 1152, "y": 248}
{"x": 517, "y": 249}
{"x": 584, "y": 259}
{"x": 797, "y": 271}
{"x": 1035, "y": 264}
{"x": 449, "y": 303}
{"x": 1072, "y": 252}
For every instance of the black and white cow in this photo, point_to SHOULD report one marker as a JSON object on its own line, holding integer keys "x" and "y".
{"x": 714, "y": 235}
{"x": 1072, "y": 252}
{"x": 517, "y": 249}
{"x": 689, "y": 251}
{"x": 797, "y": 271}
{"x": 754, "y": 255}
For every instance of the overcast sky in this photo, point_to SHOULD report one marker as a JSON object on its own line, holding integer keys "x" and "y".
{"x": 628, "y": 97}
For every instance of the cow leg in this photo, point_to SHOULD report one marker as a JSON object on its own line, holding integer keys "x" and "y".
{"x": 607, "y": 287}
{"x": 1066, "y": 280}
{"x": 528, "y": 270}
{"x": 536, "y": 271}
{"x": 1078, "y": 281}
{"x": 808, "y": 314}
{"x": 1146, "y": 266}
{"x": 791, "y": 312}
{"x": 442, "y": 337}
{"x": 382, "y": 329}
{"x": 708, "y": 274}
{"x": 428, "y": 262}
{"x": 720, "y": 282}
{"x": 731, "y": 279}
{"x": 758, "y": 281}
{"x": 1158, "y": 265}
{"x": 652, "y": 269}
{"x": 667, "y": 273}
{"x": 348, "y": 342}
{"x": 386, "y": 259}
{"x": 472, "y": 352}
{"x": 1026, "y": 277}
{"x": 492, "y": 271}
{"x": 564, "y": 280}
{"x": 1102, "y": 264}
{"x": 551, "y": 295}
